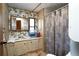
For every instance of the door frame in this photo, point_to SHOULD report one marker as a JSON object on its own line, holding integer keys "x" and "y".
{"x": 1, "y": 30}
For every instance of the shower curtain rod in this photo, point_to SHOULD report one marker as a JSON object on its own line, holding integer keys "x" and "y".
{"x": 56, "y": 9}
{"x": 61, "y": 7}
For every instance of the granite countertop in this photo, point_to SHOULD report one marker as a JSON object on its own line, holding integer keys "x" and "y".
{"x": 13, "y": 40}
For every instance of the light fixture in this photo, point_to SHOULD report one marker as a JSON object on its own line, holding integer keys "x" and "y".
{"x": 18, "y": 18}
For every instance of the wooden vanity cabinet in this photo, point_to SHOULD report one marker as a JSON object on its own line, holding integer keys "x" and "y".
{"x": 18, "y": 48}
{"x": 23, "y": 47}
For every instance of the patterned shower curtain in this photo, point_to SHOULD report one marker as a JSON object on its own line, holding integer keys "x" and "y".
{"x": 49, "y": 33}
{"x": 56, "y": 32}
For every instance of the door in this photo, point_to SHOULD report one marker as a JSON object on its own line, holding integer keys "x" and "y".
{"x": 1, "y": 32}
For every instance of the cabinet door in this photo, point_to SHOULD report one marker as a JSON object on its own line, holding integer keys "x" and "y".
{"x": 40, "y": 43}
{"x": 19, "y": 51}
{"x": 10, "y": 48}
{"x": 35, "y": 44}
{"x": 30, "y": 47}
{"x": 21, "y": 47}
{"x": 26, "y": 46}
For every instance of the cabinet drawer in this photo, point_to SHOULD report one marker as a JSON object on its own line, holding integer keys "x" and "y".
{"x": 20, "y": 43}
{"x": 10, "y": 49}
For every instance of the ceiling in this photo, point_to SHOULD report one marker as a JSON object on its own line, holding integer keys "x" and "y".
{"x": 36, "y": 7}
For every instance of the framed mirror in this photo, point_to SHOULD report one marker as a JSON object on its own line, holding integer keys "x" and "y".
{"x": 17, "y": 23}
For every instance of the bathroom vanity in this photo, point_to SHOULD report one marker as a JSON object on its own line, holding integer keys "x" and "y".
{"x": 23, "y": 46}
{"x": 23, "y": 33}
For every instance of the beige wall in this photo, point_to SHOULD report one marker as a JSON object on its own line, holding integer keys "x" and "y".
{"x": 41, "y": 24}
{"x": 5, "y": 26}
{"x": 5, "y": 21}
{"x": 41, "y": 21}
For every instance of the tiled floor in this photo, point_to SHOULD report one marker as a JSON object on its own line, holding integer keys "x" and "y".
{"x": 41, "y": 53}
{"x": 36, "y": 53}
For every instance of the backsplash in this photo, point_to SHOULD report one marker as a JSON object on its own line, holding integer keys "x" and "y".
{"x": 18, "y": 35}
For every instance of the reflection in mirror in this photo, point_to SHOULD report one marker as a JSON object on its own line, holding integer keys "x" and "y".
{"x": 13, "y": 23}
{"x": 24, "y": 23}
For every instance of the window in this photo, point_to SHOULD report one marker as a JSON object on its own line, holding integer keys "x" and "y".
{"x": 31, "y": 29}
